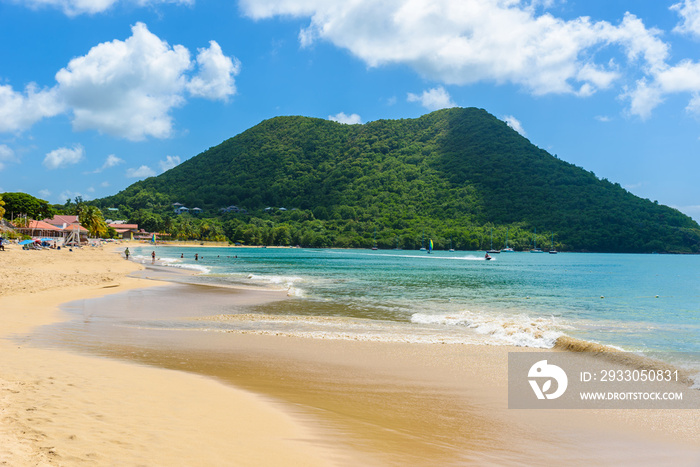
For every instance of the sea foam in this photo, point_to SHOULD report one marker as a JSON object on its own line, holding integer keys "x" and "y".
{"x": 519, "y": 330}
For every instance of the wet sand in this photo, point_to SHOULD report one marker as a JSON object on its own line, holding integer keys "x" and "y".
{"x": 388, "y": 403}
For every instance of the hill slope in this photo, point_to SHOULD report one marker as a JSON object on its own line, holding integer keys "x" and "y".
{"x": 448, "y": 170}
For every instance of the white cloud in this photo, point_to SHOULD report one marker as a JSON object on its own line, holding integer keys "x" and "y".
{"x": 142, "y": 172}
{"x": 63, "y": 157}
{"x": 681, "y": 78}
{"x": 433, "y": 99}
{"x": 126, "y": 89}
{"x": 514, "y": 123}
{"x": 216, "y": 72}
{"x": 91, "y": 7}
{"x": 341, "y": 117}
{"x": 45, "y": 193}
{"x": 468, "y": 41}
{"x": 689, "y": 11}
{"x": 603, "y": 118}
{"x": 500, "y": 41}
{"x": 6, "y": 155}
{"x": 169, "y": 163}
{"x": 19, "y": 111}
{"x": 111, "y": 161}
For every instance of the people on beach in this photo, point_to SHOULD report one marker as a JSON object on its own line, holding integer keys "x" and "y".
{"x": 2, "y": 247}
{"x": 196, "y": 257}
{"x": 126, "y": 253}
{"x": 153, "y": 257}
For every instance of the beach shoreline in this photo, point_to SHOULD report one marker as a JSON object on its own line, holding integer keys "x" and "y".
{"x": 62, "y": 408}
{"x": 383, "y": 403}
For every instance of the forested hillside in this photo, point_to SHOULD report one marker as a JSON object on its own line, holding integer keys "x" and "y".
{"x": 452, "y": 175}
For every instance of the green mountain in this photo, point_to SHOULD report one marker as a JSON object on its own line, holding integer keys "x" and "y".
{"x": 451, "y": 174}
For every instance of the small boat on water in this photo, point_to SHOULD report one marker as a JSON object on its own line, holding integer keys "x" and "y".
{"x": 553, "y": 251}
{"x": 507, "y": 249}
{"x": 536, "y": 250}
{"x": 492, "y": 251}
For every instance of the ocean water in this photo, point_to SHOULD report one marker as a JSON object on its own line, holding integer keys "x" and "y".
{"x": 647, "y": 303}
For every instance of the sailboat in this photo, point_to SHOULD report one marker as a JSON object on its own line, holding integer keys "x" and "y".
{"x": 536, "y": 250}
{"x": 451, "y": 249}
{"x": 422, "y": 239}
{"x": 553, "y": 251}
{"x": 507, "y": 249}
{"x": 430, "y": 246}
{"x": 492, "y": 251}
{"x": 375, "y": 239}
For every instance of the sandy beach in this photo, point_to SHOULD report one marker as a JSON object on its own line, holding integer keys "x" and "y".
{"x": 59, "y": 408}
{"x": 163, "y": 398}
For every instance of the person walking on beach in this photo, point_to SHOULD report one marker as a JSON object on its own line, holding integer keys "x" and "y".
{"x": 153, "y": 257}
{"x": 126, "y": 253}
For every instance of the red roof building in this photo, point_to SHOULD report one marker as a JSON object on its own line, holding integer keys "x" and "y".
{"x": 62, "y": 221}
{"x": 125, "y": 230}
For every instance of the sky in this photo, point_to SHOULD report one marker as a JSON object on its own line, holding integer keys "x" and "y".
{"x": 98, "y": 94}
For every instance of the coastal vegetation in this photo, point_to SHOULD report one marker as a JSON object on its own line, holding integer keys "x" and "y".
{"x": 460, "y": 177}
{"x": 454, "y": 175}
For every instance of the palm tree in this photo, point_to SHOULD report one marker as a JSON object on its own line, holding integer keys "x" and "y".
{"x": 91, "y": 218}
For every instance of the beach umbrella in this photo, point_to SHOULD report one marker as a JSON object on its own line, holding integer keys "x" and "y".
{"x": 26, "y": 242}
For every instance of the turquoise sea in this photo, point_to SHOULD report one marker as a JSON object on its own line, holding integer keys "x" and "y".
{"x": 635, "y": 302}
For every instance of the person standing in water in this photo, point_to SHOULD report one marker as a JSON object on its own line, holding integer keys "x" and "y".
{"x": 126, "y": 253}
{"x": 153, "y": 257}
{"x": 196, "y": 257}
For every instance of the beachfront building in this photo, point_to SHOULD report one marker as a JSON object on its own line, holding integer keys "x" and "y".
{"x": 62, "y": 221}
{"x": 41, "y": 229}
{"x": 70, "y": 225}
{"x": 196, "y": 211}
{"x": 125, "y": 231}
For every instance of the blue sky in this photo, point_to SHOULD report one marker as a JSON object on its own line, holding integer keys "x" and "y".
{"x": 97, "y": 94}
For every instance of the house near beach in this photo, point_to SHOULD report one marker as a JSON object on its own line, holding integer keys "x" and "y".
{"x": 70, "y": 225}
{"x": 125, "y": 231}
{"x": 41, "y": 229}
